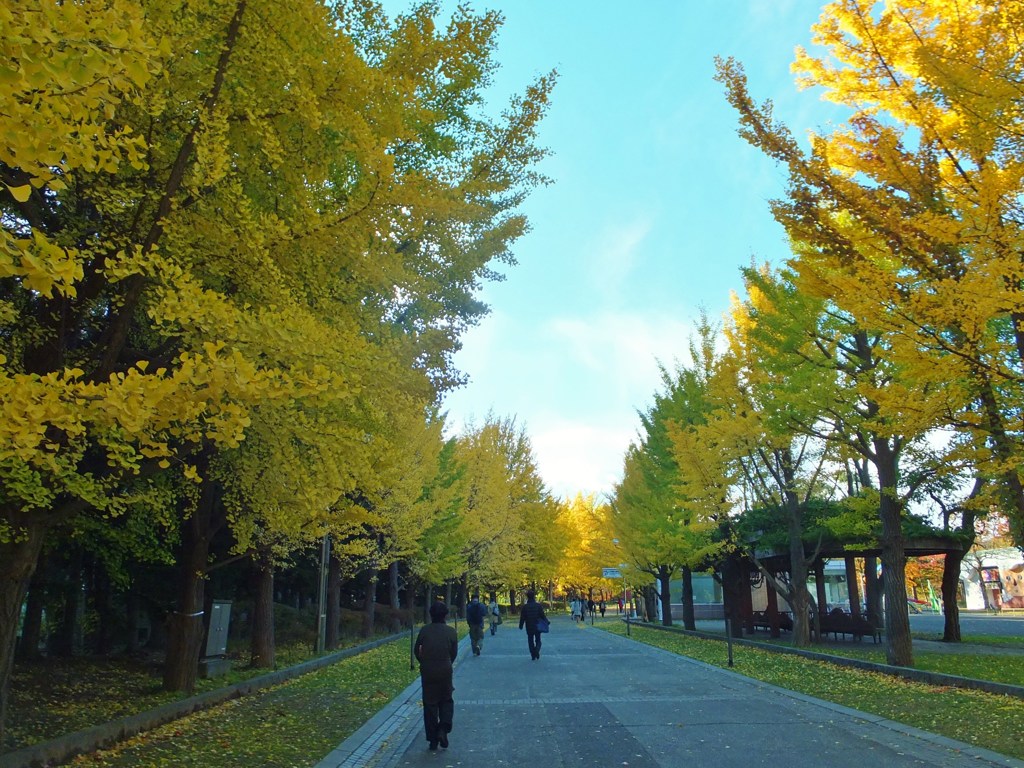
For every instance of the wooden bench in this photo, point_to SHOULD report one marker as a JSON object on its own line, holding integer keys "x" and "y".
{"x": 761, "y": 620}
{"x": 838, "y": 622}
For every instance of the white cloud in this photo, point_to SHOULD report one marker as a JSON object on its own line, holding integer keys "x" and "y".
{"x": 577, "y": 457}
{"x": 624, "y": 348}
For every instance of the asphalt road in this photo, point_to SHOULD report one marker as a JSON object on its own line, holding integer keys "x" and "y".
{"x": 971, "y": 624}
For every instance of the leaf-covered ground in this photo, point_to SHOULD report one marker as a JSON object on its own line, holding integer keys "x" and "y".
{"x": 983, "y": 719}
{"x": 52, "y": 697}
{"x": 996, "y": 666}
{"x": 292, "y": 725}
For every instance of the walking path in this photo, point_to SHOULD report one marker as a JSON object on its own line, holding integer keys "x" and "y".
{"x": 597, "y": 699}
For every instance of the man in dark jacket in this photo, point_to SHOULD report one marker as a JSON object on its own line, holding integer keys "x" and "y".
{"x": 475, "y": 615}
{"x": 529, "y": 616}
{"x": 436, "y": 648}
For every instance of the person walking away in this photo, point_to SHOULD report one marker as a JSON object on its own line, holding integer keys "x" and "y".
{"x": 591, "y": 606}
{"x": 436, "y": 647}
{"x": 475, "y": 614}
{"x": 531, "y": 613}
{"x": 601, "y": 607}
{"x": 575, "y": 608}
{"x": 495, "y": 614}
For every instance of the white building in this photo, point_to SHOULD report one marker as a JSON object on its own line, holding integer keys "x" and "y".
{"x": 993, "y": 579}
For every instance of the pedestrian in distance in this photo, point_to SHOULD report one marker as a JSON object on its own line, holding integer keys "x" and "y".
{"x": 529, "y": 616}
{"x": 494, "y": 612}
{"x": 591, "y": 607}
{"x": 601, "y": 607}
{"x": 475, "y": 615}
{"x": 436, "y": 647}
{"x": 576, "y": 607}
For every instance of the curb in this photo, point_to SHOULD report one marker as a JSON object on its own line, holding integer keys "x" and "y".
{"x": 63, "y": 748}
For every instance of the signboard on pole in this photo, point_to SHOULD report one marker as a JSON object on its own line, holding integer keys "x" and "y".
{"x": 611, "y": 573}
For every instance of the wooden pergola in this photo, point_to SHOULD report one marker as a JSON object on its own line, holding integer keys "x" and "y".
{"x": 778, "y": 562}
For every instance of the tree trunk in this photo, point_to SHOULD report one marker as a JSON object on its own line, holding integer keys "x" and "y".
{"x": 410, "y": 599}
{"x": 66, "y": 640}
{"x": 852, "y": 590}
{"x": 665, "y": 576}
{"x": 731, "y": 578}
{"x": 872, "y": 592}
{"x": 798, "y": 597}
{"x": 103, "y": 592}
{"x": 1005, "y": 451}
{"x": 650, "y": 600}
{"x": 689, "y": 620}
{"x": 396, "y": 607}
{"x": 512, "y": 600}
{"x": 772, "y": 608}
{"x": 950, "y": 608}
{"x": 370, "y": 602}
{"x": 333, "y": 634}
{"x": 899, "y": 648}
{"x": 262, "y": 647}
{"x": 17, "y": 562}
{"x": 462, "y": 596}
{"x": 185, "y": 625}
{"x": 132, "y": 607}
{"x": 32, "y": 628}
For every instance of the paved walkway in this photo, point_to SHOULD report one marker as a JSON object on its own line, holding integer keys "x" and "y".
{"x": 597, "y": 699}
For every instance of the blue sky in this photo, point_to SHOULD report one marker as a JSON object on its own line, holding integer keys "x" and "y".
{"x": 655, "y": 204}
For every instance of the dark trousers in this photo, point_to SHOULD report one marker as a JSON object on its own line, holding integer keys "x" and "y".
{"x": 533, "y": 638}
{"x": 437, "y": 718}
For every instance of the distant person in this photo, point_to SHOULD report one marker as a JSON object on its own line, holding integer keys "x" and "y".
{"x": 494, "y": 612}
{"x": 475, "y": 615}
{"x": 529, "y": 615}
{"x": 620, "y": 606}
{"x": 576, "y": 607}
{"x": 436, "y": 648}
{"x": 601, "y": 607}
{"x": 591, "y": 607}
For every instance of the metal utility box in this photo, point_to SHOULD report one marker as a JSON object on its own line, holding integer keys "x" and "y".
{"x": 214, "y": 662}
{"x": 217, "y": 637}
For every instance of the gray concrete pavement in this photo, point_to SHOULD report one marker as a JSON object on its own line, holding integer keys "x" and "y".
{"x": 596, "y": 699}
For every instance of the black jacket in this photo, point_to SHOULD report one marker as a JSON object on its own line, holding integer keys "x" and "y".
{"x": 530, "y": 614}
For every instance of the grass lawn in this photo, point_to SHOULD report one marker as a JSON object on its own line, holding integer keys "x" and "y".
{"x": 982, "y": 719}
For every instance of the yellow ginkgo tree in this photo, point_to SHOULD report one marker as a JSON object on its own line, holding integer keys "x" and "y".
{"x": 215, "y": 207}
